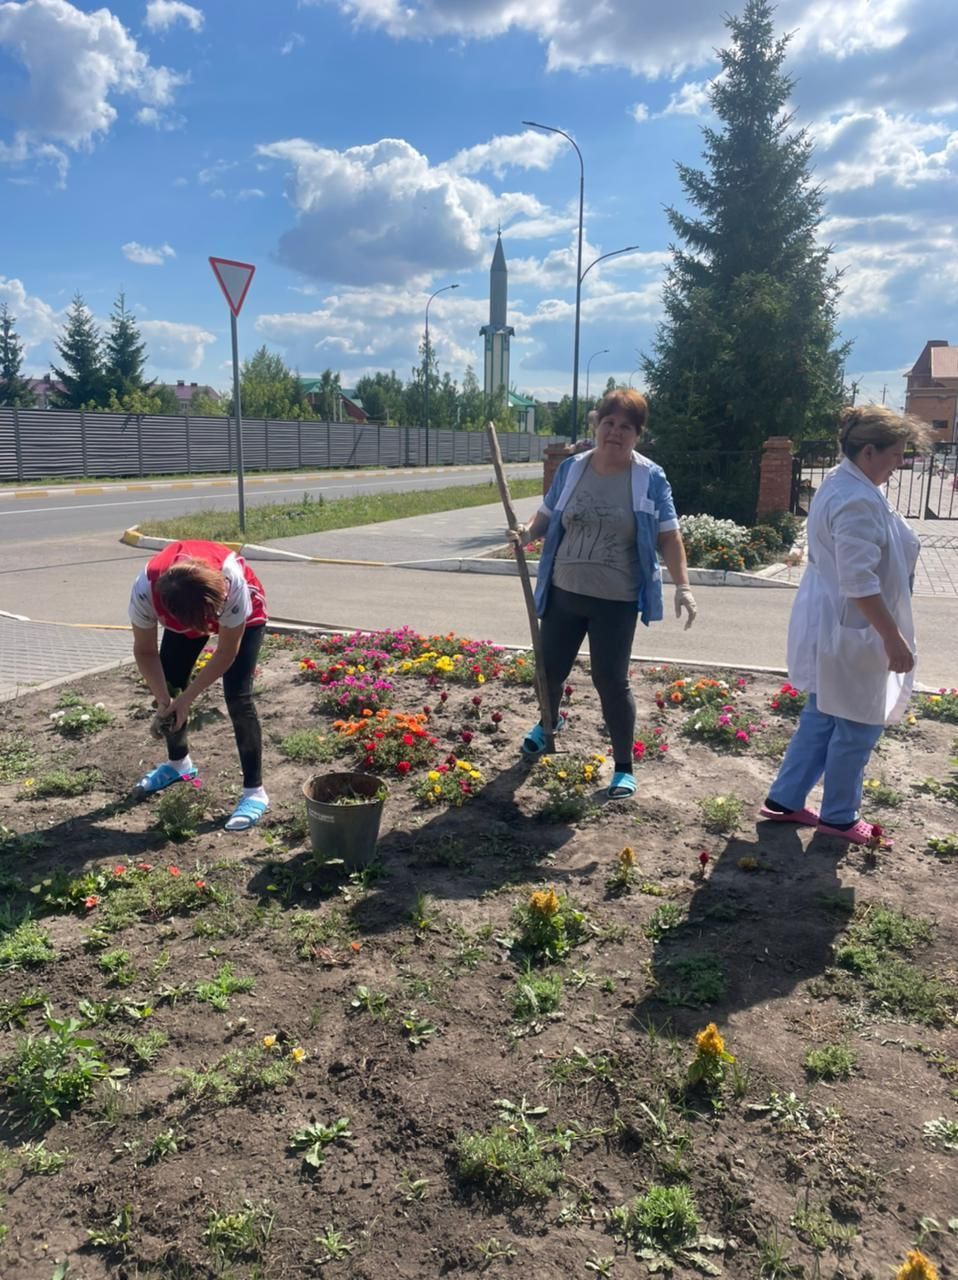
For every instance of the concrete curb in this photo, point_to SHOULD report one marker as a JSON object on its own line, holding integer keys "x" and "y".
{"x": 697, "y": 577}
{"x": 248, "y": 550}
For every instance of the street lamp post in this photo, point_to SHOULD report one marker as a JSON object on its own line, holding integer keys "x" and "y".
{"x": 588, "y": 369}
{"x": 427, "y": 362}
{"x": 548, "y": 128}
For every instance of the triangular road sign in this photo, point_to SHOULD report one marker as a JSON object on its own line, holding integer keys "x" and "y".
{"x": 234, "y": 279}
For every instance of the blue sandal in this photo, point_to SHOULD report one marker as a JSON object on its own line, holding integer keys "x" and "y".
{"x": 246, "y": 814}
{"x": 534, "y": 743}
{"x": 622, "y": 786}
{"x": 158, "y": 779}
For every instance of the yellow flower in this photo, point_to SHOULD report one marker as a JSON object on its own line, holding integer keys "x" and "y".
{"x": 28, "y": 782}
{"x": 480, "y": 679}
{"x": 546, "y": 760}
{"x": 475, "y": 775}
{"x": 934, "y": 698}
{"x": 916, "y": 1267}
{"x": 587, "y": 772}
{"x": 269, "y": 1042}
{"x": 599, "y": 759}
{"x": 912, "y": 720}
{"x": 627, "y": 857}
{"x": 464, "y": 765}
{"x": 437, "y": 791}
{"x": 544, "y": 902}
{"x": 433, "y": 775}
{"x": 709, "y": 1042}
{"x": 297, "y": 1053}
{"x": 562, "y": 774}
{"x": 359, "y": 667}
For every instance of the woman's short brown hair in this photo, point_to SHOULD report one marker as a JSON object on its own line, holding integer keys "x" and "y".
{"x": 628, "y": 402}
{"x": 193, "y": 592}
{"x": 861, "y": 424}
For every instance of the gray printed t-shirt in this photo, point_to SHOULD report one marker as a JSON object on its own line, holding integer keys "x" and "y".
{"x": 597, "y": 555}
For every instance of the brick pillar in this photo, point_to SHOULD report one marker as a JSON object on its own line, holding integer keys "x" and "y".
{"x": 775, "y": 482}
{"x": 555, "y": 455}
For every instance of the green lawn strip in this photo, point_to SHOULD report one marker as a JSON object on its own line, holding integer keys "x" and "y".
{"x": 315, "y": 515}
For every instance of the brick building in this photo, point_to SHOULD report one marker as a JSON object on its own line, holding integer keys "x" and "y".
{"x": 931, "y": 390}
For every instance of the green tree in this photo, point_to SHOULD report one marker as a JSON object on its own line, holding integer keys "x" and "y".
{"x": 81, "y": 350}
{"x": 472, "y": 403}
{"x": 749, "y": 345}
{"x": 207, "y": 406}
{"x": 14, "y": 390}
{"x": 269, "y": 389}
{"x": 124, "y": 352}
{"x": 382, "y": 395}
{"x": 167, "y": 403}
{"x": 328, "y": 395}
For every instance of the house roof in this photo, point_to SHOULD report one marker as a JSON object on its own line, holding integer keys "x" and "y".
{"x": 520, "y": 402}
{"x": 185, "y": 391}
{"x": 944, "y": 362}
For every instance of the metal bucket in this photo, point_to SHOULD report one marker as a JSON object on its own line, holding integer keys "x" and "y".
{"x": 344, "y": 833}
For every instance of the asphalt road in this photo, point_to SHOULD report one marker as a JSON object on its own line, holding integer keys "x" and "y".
{"x": 30, "y": 522}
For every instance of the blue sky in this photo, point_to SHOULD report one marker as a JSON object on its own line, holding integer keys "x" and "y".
{"x": 363, "y": 152}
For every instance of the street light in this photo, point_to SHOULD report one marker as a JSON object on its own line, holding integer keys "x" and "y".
{"x": 629, "y": 248}
{"x": 633, "y": 373}
{"x": 588, "y": 369}
{"x": 425, "y": 390}
{"x": 548, "y": 128}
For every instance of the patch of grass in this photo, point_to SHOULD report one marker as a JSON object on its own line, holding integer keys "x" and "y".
{"x": 305, "y": 746}
{"x": 311, "y": 931}
{"x": 668, "y": 916}
{"x": 664, "y": 1218}
{"x": 237, "y": 1075}
{"x": 722, "y": 814}
{"x": 75, "y": 717}
{"x": 880, "y": 793}
{"x": 536, "y": 996}
{"x": 311, "y": 515}
{"x": 119, "y": 967}
{"x": 25, "y": 946}
{"x": 50, "y": 1074}
{"x": 239, "y": 1234}
{"x": 943, "y": 846}
{"x": 819, "y": 1230}
{"x": 13, "y": 1013}
{"x": 138, "y": 1049}
{"x": 693, "y": 980}
{"x": 151, "y": 895}
{"x": 830, "y": 1062}
{"x": 179, "y": 812}
{"x": 17, "y": 757}
{"x": 942, "y": 1131}
{"x": 508, "y": 1163}
{"x": 36, "y": 1159}
{"x": 61, "y": 783}
{"x": 217, "y": 992}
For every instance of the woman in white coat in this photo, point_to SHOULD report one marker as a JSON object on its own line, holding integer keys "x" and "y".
{"x": 851, "y": 638}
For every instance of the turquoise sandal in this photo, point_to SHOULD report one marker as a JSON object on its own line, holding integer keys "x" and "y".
{"x": 246, "y": 814}
{"x": 622, "y": 786}
{"x": 158, "y": 779}
{"x": 534, "y": 743}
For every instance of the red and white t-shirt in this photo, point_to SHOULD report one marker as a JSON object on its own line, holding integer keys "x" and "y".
{"x": 245, "y": 603}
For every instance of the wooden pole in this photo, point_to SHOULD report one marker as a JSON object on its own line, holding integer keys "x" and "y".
{"x": 542, "y": 692}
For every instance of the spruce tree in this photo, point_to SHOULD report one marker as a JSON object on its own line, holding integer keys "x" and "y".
{"x": 749, "y": 347}
{"x": 80, "y": 348}
{"x": 14, "y": 390}
{"x": 124, "y": 352}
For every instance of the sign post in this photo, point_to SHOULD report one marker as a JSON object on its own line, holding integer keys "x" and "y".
{"x": 234, "y": 279}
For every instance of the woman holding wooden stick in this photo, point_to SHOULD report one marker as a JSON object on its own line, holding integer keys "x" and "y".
{"x": 605, "y": 517}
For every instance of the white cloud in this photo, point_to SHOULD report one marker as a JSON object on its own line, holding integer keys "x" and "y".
{"x": 36, "y": 320}
{"x": 164, "y": 121}
{"x": 382, "y": 213}
{"x": 691, "y": 100}
{"x": 866, "y": 148}
{"x": 294, "y": 42}
{"x": 163, "y": 14}
{"x": 76, "y": 63}
{"x": 529, "y": 150}
{"x": 251, "y": 193}
{"x": 639, "y": 112}
{"x": 143, "y": 256}
{"x": 174, "y": 345}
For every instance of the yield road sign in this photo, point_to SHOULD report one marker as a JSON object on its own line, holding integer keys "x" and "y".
{"x": 234, "y": 279}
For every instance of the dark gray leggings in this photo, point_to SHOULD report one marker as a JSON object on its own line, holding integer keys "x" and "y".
{"x": 610, "y": 626}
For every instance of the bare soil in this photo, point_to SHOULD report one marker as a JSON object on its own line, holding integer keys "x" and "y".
{"x": 854, "y": 1152}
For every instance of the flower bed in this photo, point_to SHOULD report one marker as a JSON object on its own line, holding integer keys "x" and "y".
{"x": 542, "y": 1030}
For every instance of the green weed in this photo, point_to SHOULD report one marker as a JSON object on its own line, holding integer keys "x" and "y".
{"x": 722, "y": 814}
{"x": 165, "y": 1143}
{"x": 217, "y": 992}
{"x": 334, "y": 1245}
{"x": 417, "y": 1029}
{"x": 313, "y": 1139}
{"x": 305, "y": 746}
{"x": 239, "y": 1074}
{"x": 50, "y": 1074}
{"x": 535, "y": 997}
{"x": 830, "y": 1062}
{"x": 693, "y": 980}
{"x": 818, "y": 1229}
{"x": 26, "y": 946}
{"x": 17, "y": 757}
{"x": 667, "y": 916}
{"x": 664, "y": 1218}
{"x": 508, "y": 1163}
{"x": 179, "y": 812}
{"x": 239, "y": 1234}
{"x": 119, "y": 967}
{"x": 942, "y": 1131}
{"x": 36, "y": 1159}
{"x": 880, "y": 793}
{"x": 61, "y": 783}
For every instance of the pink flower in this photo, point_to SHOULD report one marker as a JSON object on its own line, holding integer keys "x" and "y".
{"x": 119, "y": 871}
{"x": 477, "y": 701}
{"x": 174, "y": 871}
{"x": 704, "y": 858}
{"x": 92, "y": 901}
{"x": 443, "y": 696}
{"x": 742, "y": 736}
{"x": 466, "y": 736}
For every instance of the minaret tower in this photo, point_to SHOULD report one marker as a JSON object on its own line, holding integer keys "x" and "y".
{"x": 497, "y": 332}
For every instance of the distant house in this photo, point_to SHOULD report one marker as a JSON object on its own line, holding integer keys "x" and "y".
{"x": 43, "y": 388}
{"x": 348, "y": 406}
{"x": 931, "y": 390}
{"x": 525, "y": 410}
{"x": 186, "y": 392}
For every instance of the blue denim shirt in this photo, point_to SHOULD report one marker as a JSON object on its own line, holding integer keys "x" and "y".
{"x": 654, "y": 514}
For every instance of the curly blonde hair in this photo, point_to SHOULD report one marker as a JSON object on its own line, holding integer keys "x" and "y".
{"x": 862, "y": 424}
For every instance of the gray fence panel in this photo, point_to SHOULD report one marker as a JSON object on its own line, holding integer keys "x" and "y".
{"x": 35, "y": 443}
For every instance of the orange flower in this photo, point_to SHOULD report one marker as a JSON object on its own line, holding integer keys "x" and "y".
{"x": 916, "y": 1267}
{"x": 355, "y": 946}
{"x": 544, "y": 902}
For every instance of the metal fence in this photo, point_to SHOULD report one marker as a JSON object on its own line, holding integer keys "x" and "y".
{"x": 37, "y": 443}
{"x": 925, "y": 487}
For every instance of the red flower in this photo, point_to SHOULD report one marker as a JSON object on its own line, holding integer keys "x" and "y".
{"x": 774, "y": 704}
{"x": 92, "y": 901}
{"x": 403, "y": 767}
{"x": 704, "y": 859}
{"x": 466, "y": 736}
{"x": 443, "y": 768}
{"x": 451, "y": 758}
{"x": 369, "y": 762}
{"x": 477, "y": 700}
{"x": 427, "y": 711}
{"x": 568, "y": 691}
{"x": 638, "y": 750}
{"x": 443, "y": 696}
{"x": 174, "y": 871}
{"x": 408, "y": 739}
{"x": 144, "y": 866}
{"x": 877, "y": 831}
{"x": 200, "y": 884}
{"x": 119, "y": 871}
{"x": 496, "y": 717}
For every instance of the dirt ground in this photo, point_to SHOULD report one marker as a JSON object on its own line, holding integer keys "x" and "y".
{"x": 792, "y": 1175}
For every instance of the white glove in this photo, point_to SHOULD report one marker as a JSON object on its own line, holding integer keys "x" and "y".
{"x": 685, "y": 600}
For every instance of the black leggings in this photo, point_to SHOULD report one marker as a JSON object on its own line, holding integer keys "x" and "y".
{"x": 178, "y": 654}
{"x": 610, "y": 626}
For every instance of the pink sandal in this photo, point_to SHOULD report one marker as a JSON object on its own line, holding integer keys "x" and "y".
{"x": 861, "y": 833}
{"x": 800, "y": 817}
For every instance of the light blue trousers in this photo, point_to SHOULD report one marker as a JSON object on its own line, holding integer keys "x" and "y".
{"x": 829, "y": 746}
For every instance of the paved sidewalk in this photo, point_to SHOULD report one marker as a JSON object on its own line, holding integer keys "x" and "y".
{"x": 34, "y": 653}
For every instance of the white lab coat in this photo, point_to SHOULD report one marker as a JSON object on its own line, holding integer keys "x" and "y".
{"x": 858, "y": 545}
